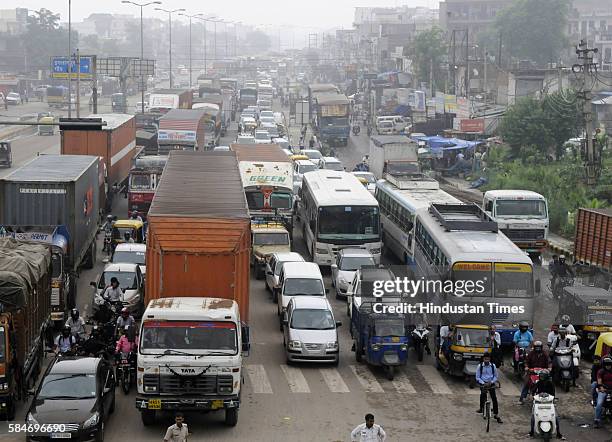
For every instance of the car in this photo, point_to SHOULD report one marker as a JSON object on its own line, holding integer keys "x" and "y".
{"x": 331, "y": 163}
{"x": 274, "y": 264}
{"x": 76, "y": 395}
{"x": 385, "y": 127}
{"x": 221, "y": 148}
{"x": 267, "y": 238}
{"x": 300, "y": 167}
{"x": 283, "y": 143}
{"x": 13, "y": 98}
{"x": 310, "y": 332}
{"x": 368, "y": 179}
{"x": 262, "y": 137}
{"x": 245, "y": 139}
{"x": 299, "y": 279}
{"x": 348, "y": 261}
{"x": 271, "y": 129}
{"x": 313, "y": 155}
{"x": 269, "y": 120}
{"x": 133, "y": 253}
{"x": 266, "y": 113}
{"x": 131, "y": 281}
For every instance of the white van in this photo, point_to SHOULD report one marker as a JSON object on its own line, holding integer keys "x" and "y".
{"x": 399, "y": 123}
{"x": 299, "y": 279}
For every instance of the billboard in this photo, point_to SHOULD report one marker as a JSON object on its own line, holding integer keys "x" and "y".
{"x": 419, "y": 101}
{"x": 87, "y": 68}
{"x": 475, "y": 125}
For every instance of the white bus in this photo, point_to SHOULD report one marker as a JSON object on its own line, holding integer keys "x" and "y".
{"x": 337, "y": 212}
{"x": 461, "y": 243}
{"x": 398, "y": 209}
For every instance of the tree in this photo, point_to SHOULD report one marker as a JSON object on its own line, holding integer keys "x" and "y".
{"x": 427, "y": 50}
{"x": 44, "y": 38}
{"x": 534, "y": 29}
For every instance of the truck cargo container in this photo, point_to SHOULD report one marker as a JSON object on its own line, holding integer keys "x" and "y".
{"x": 163, "y": 100}
{"x": 182, "y": 129}
{"x": 53, "y": 199}
{"x": 332, "y": 118}
{"x": 319, "y": 88}
{"x": 593, "y": 242}
{"x": 198, "y": 241}
{"x": 248, "y": 97}
{"x": 116, "y": 143}
{"x": 25, "y": 295}
{"x": 395, "y": 159}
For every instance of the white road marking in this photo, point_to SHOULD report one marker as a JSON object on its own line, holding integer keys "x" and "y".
{"x": 295, "y": 379}
{"x": 433, "y": 379}
{"x": 402, "y": 384}
{"x": 508, "y": 388}
{"x": 333, "y": 380}
{"x": 259, "y": 379}
{"x": 366, "y": 379}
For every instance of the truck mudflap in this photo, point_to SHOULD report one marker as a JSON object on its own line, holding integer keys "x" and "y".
{"x": 187, "y": 403}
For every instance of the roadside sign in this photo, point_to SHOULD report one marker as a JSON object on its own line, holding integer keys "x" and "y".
{"x": 143, "y": 67}
{"x": 87, "y": 69}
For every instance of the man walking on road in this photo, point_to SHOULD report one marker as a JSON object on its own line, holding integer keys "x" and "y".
{"x": 369, "y": 431}
{"x": 177, "y": 432}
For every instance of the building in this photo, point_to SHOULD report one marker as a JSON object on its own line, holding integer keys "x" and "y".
{"x": 592, "y": 21}
{"x": 13, "y": 21}
{"x": 473, "y": 15}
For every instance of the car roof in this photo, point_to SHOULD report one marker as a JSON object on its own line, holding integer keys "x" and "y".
{"x": 121, "y": 267}
{"x": 305, "y": 163}
{"x": 288, "y": 256}
{"x": 75, "y": 365}
{"x": 331, "y": 160}
{"x": 130, "y": 247}
{"x": 302, "y": 270}
{"x": 311, "y": 302}
{"x": 354, "y": 252}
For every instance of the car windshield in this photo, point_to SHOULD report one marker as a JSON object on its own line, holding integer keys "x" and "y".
{"x": 68, "y": 386}
{"x": 313, "y": 154}
{"x": 353, "y": 263}
{"x": 127, "y": 280}
{"x": 131, "y": 257}
{"x": 303, "y": 286}
{"x": 270, "y": 239}
{"x": 334, "y": 166}
{"x": 389, "y": 327}
{"x": 189, "y": 336}
{"x": 312, "y": 319}
{"x": 303, "y": 168}
{"x": 471, "y": 337}
{"x": 527, "y": 208}
{"x": 349, "y": 222}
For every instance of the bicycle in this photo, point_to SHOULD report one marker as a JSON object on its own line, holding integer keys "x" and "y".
{"x": 486, "y": 411}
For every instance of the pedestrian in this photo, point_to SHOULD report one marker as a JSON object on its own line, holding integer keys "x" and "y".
{"x": 369, "y": 431}
{"x": 177, "y": 432}
{"x": 304, "y": 130}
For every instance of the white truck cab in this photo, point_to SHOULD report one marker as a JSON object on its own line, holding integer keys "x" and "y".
{"x": 522, "y": 215}
{"x": 190, "y": 357}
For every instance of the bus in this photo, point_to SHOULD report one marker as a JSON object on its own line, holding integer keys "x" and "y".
{"x": 460, "y": 242}
{"x": 337, "y": 212}
{"x": 398, "y": 208}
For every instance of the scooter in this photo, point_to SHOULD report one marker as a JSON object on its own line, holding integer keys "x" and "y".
{"x": 563, "y": 367}
{"x": 420, "y": 339}
{"x": 544, "y": 416}
{"x": 107, "y": 241}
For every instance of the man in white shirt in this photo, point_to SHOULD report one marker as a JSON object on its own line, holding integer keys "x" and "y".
{"x": 113, "y": 292}
{"x": 177, "y": 432}
{"x": 369, "y": 431}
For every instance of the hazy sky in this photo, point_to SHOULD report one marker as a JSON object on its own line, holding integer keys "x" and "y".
{"x": 315, "y": 13}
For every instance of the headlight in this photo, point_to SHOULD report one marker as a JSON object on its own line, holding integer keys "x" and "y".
{"x": 332, "y": 345}
{"x": 150, "y": 389}
{"x": 93, "y": 420}
{"x": 295, "y": 345}
{"x": 321, "y": 251}
{"x": 375, "y": 251}
{"x": 30, "y": 419}
{"x": 403, "y": 347}
{"x": 375, "y": 347}
{"x": 457, "y": 357}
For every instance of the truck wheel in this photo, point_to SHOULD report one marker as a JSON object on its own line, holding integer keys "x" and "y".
{"x": 148, "y": 417}
{"x": 231, "y": 417}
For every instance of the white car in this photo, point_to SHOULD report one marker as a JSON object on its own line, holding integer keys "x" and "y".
{"x": 262, "y": 137}
{"x": 313, "y": 155}
{"x": 270, "y": 128}
{"x": 331, "y": 163}
{"x": 269, "y": 120}
{"x": 368, "y": 179}
{"x": 245, "y": 139}
{"x": 300, "y": 167}
{"x": 348, "y": 261}
{"x": 131, "y": 281}
{"x": 266, "y": 114}
{"x": 274, "y": 264}
{"x": 131, "y": 253}
{"x": 13, "y": 98}
{"x": 283, "y": 143}
{"x": 221, "y": 149}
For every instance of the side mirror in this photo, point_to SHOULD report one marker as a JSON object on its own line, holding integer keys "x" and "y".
{"x": 338, "y": 324}
{"x": 285, "y": 322}
{"x": 334, "y": 266}
{"x": 246, "y": 339}
{"x": 31, "y": 392}
{"x": 538, "y": 285}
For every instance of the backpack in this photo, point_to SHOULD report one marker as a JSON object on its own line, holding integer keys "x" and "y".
{"x": 480, "y": 369}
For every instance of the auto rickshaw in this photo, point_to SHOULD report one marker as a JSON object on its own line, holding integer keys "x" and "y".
{"x": 134, "y": 227}
{"x": 603, "y": 345}
{"x": 6, "y": 155}
{"x": 297, "y": 157}
{"x": 45, "y": 124}
{"x": 462, "y": 350}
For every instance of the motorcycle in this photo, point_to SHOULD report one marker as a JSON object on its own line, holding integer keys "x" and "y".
{"x": 564, "y": 367}
{"x": 356, "y": 130}
{"x": 108, "y": 239}
{"x": 126, "y": 372}
{"x": 420, "y": 340}
{"x": 559, "y": 284}
{"x": 544, "y": 416}
{"x": 518, "y": 360}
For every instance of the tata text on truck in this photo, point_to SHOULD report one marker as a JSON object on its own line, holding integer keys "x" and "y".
{"x": 25, "y": 294}
{"x": 144, "y": 178}
{"x": 332, "y": 118}
{"x": 53, "y": 199}
{"x": 198, "y": 220}
{"x": 522, "y": 215}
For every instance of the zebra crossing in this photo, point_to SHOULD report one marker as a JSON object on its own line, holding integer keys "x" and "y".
{"x": 415, "y": 379}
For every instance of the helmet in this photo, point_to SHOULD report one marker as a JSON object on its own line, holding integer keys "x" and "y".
{"x": 537, "y": 345}
{"x": 524, "y": 325}
{"x": 544, "y": 375}
{"x": 606, "y": 361}
{"x": 74, "y": 314}
{"x": 109, "y": 218}
{"x": 66, "y": 329}
{"x": 561, "y": 259}
{"x": 565, "y": 319}
{"x": 125, "y": 311}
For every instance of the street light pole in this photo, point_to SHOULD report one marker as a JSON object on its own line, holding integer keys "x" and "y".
{"x": 70, "y": 59}
{"x": 142, "y": 77}
{"x": 170, "y": 12}
{"x": 190, "y": 17}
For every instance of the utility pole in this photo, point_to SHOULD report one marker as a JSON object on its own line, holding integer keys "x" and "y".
{"x": 78, "y": 89}
{"x": 591, "y": 156}
{"x": 431, "y": 77}
{"x": 70, "y": 59}
{"x": 484, "y": 101}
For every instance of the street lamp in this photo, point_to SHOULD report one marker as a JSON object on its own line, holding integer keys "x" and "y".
{"x": 142, "y": 78}
{"x": 70, "y": 59}
{"x": 190, "y": 58}
{"x": 170, "y": 12}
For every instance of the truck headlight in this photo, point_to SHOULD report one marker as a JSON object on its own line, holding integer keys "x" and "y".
{"x": 295, "y": 345}
{"x": 332, "y": 345}
{"x": 321, "y": 251}
{"x": 457, "y": 356}
{"x": 375, "y": 347}
{"x": 92, "y": 421}
{"x": 225, "y": 389}
{"x": 150, "y": 389}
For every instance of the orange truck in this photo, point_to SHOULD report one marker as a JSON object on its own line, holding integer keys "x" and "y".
{"x": 199, "y": 237}
{"x": 593, "y": 242}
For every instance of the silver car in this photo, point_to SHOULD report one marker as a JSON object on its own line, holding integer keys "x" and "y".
{"x": 274, "y": 264}
{"x": 310, "y": 333}
{"x": 131, "y": 281}
{"x": 348, "y": 261}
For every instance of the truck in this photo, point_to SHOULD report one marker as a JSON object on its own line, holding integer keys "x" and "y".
{"x": 144, "y": 178}
{"x": 163, "y": 100}
{"x": 25, "y": 295}
{"x": 198, "y": 249}
{"x": 522, "y": 215}
{"x": 593, "y": 241}
{"x": 248, "y": 97}
{"x": 319, "y": 88}
{"x": 56, "y": 96}
{"x": 395, "y": 159}
{"x": 213, "y": 117}
{"x": 181, "y": 129}
{"x": 116, "y": 143}
{"x": 267, "y": 178}
{"x": 332, "y": 118}
{"x": 53, "y": 200}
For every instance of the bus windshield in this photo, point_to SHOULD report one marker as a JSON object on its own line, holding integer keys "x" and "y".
{"x": 513, "y": 208}
{"x": 349, "y": 223}
{"x": 278, "y": 200}
{"x": 477, "y": 272}
{"x": 513, "y": 281}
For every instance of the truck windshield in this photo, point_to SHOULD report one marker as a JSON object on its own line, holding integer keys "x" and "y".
{"x": 188, "y": 336}
{"x": 336, "y": 121}
{"x": 140, "y": 182}
{"x": 270, "y": 239}
{"x": 349, "y": 223}
{"x": 528, "y": 208}
{"x": 278, "y": 200}
{"x": 312, "y": 319}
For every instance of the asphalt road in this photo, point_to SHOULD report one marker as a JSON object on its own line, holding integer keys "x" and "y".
{"x": 323, "y": 403}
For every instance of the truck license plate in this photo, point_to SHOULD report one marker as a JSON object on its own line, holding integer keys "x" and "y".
{"x": 216, "y": 404}
{"x": 154, "y": 404}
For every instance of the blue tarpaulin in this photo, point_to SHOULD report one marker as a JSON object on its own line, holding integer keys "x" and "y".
{"x": 437, "y": 144}
{"x": 402, "y": 109}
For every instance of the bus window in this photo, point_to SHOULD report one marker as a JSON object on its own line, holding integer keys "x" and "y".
{"x": 513, "y": 280}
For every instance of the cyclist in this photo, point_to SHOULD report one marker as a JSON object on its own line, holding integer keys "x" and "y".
{"x": 486, "y": 376}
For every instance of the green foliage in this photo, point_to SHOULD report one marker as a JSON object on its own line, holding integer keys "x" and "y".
{"x": 45, "y": 39}
{"x": 533, "y": 29}
{"x": 539, "y": 128}
{"x": 427, "y": 50}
